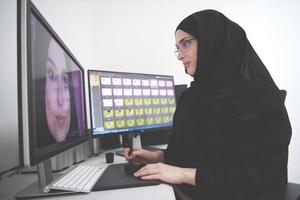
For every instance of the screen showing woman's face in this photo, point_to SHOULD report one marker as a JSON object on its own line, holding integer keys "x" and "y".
{"x": 57, "y": 93}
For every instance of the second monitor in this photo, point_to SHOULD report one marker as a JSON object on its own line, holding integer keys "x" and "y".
{"x": 123, "y": 102}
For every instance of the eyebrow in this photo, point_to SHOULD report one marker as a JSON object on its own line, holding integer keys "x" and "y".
{"x": 54, "y": 65}
{"x": 182, "y": 40}
{"x": 51, "y": 62}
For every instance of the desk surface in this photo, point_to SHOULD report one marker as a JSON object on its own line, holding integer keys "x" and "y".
{"x": 11, "y": 186}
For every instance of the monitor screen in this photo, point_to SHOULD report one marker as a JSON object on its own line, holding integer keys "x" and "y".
{"x": 54, "y": 92}
{"x": 123, "y": 102}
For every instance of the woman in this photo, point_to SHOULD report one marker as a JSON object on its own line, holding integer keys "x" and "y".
{"x": 231, "y": 130}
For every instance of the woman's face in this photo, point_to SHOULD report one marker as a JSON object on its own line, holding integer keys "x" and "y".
{"x": 186, "y": 46}
{"x": 57, "y": 94}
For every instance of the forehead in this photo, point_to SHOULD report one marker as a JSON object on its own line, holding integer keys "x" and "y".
{"x": 56, "y": 54}
{"x": 180, "y": 34}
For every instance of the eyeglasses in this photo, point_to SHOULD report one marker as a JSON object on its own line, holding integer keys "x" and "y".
{"x": 183, "y": 45}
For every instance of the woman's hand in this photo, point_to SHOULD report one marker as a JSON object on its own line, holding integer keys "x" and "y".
{"x": 141, "y": 157}
{"x": 167, "y": 173}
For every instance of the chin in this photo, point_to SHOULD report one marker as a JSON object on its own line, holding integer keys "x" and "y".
{"x": 60, "y": 136}
{"x": 189, "y": 73}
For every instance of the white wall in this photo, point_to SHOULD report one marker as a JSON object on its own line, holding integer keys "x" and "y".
{"x": 8, "y": 86}
{"x": 138, "y": 36}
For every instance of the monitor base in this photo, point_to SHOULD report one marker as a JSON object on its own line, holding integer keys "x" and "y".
{"x": 34, "y": 191}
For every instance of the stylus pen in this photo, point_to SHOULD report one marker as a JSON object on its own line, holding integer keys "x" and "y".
{"x": 130, "y": 144}
{"x": 130, "y": 152}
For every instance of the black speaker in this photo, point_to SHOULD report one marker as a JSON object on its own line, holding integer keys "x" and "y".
{"x": 156, "y": 137}
{"x": 110, "y": 142}
{"x": 179, "y": 89}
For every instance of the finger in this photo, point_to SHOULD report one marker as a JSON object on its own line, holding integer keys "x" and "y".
{"x": 127, "y": 157}
{"x": 153, "y": 166}
{"x": 151, "y": 177}
{"x": 135, "y": 158}
{"x": 147, "y": 171}
{"x": 138, "y": 152}
{"x": 126, "y": 150}
{"x": 136, "y": 148}
{"x": 146, "y": 167}
{"x": 137, "y": 163}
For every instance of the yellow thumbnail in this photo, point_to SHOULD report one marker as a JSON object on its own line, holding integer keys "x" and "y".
{"x": 147, "y": 101}
{"x": 155, "y": 101}
{"x": 120, "y": 123}
{"x": 138, "y": 102}
{"x": 130, "y": 122}
{"x": 140, "y": 121}
{"x": 139, "y": 111}
{"x": 119, "y": 113}
{"x": 129, "y": 112}
{"x": 166, "y": 119}
{"x": 149, "y": 120}
{"x": 108, "y": 113}
{"x": 157, "y": 120}
{"x": 163, "y": 101}
{"x": 165, "y": 110}
{"x": 128, "y": 102}
{"x": 171, "y": 100}
{"x": 156, "y": 111}
{"x": 172, "y": 109}
{"x": 148, "y": 111}
{"x": 109, "y": 124}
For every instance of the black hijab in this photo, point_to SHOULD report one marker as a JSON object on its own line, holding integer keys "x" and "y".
{"x": 232, "y": 87}
{"x": 222, "y": 47}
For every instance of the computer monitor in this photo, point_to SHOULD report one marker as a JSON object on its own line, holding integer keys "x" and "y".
{"x": 122, "y": 102}
{"x": 52, "y": 95}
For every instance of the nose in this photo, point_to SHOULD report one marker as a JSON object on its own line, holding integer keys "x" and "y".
{"x": 180, "y": 55}
{"x": 59, "y": 94}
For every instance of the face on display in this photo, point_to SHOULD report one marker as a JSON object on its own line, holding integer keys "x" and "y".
{"x": 57, "y": 93}
{"x": 186, "y": 51}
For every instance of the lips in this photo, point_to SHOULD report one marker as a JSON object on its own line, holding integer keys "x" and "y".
{"x": 60, "y": 119}
{"x": 186, "y": 64}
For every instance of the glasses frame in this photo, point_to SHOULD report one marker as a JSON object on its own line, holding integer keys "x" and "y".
{"x": 183, "y": 45}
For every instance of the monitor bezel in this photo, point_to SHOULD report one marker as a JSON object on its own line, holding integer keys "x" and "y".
{"x": 30, "y": 159}
{"x": 142, "y": 131}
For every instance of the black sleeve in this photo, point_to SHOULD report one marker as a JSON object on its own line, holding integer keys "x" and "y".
{"x": 265, "y": 175}
{"x": 228, "y": 173}
{"x": 183, "y": 141}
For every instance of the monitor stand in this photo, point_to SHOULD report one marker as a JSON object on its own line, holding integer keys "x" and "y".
{"x": 39, "y": 189}
{"x": 136, "y": 142}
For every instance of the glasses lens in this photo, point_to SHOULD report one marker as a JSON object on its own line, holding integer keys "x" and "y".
{"x": 185, "y": 44}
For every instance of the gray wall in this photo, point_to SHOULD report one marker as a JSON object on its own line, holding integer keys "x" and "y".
{"x": 138, "y": 36}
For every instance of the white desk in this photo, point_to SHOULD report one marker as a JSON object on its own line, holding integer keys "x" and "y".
{"x": 10, "y": 186}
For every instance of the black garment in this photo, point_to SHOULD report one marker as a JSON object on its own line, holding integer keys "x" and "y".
{"x": 231, "y": 124}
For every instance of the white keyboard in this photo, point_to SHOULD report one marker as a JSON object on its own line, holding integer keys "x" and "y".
{"x": 80, "y": 179}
